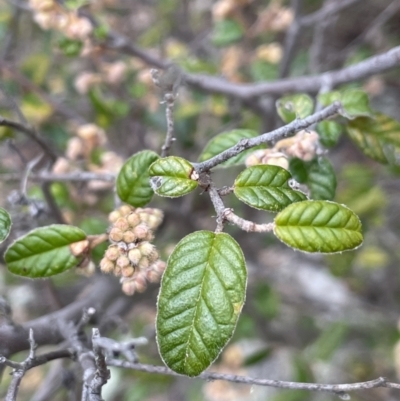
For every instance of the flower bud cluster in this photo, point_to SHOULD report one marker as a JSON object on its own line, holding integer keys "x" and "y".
{"x": 304, "y": 145}
{"x": 49, "y": 14}
{"x": 131, "y": 254}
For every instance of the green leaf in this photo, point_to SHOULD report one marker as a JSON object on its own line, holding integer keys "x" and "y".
{"x": 318, "y": 226}
{"x": 133, "y": 181}
{"x": 5, "y": 224}
{"x": 201, "y": 297}
{"x": 171, "y": 177}
{"x": 318, "y": 175}
{"x": 355, "y": 103}
{"x": 329, "y": 133}
{"x": 45, "y": 251}
{"x": 266, "y": 187}
{"x": 327, "y": 98}
{"x": 378, "y": 138}
{"x": 226, "y": 32}
{"x": 70, "y": 47}
{"x": 294, "y": 106}
{"x": 226, "y": 140}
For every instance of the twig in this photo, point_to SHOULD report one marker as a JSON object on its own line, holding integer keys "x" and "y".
{"x": 20, "y": 368}
{"x": 291, "y": 39}
{"x": 269, "y": 137}
{"x": 338, "y": 389}
{"x": 169, "y": 138}
{"x": 30, "y": 133}
{"x": 218, "y": 206}
{"x": 46, "y": 176}
{"x": 102, "y": 373}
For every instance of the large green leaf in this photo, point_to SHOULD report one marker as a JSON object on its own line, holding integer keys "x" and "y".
{"x": 378, "y": 138}
{"x": 318, "y": 226}
{"x": 5, "y": 224}
{"x": 294, "y": 106}
{"x": 355, "y": 103}
{"x": 318, "y": 175}
{"x": 201, "y": 297}
{"x": 226, "y": 140}
{"x": 329, "y": 133}
{"x": 45, "y": 251}
{"x": 172, "y": 176}
{"x": 266, "y": 187}
{"x": 133, "y": 181}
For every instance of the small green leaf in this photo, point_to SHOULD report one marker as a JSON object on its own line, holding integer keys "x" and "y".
{"x": 171, "y": 177}
{"x": 44, "y": 252}
{"x": 226, "y": 32}
{"x": 226, "y": 140}
{"x": 329, "y": 133}
{"x": 266, "y": 187}
{"x": 327, "y": 98}
{"x": 5, "y": 224}
{"x": 355, "y": 103}
{"x": 319, "y": 226}
{"x": 70, "y": 47}
{"x": 201, "y": 297}
{"x": 378, "y": 138}
{"x": 133, "y": 185}
{"x": 294, "y": 106}
{"x": 318, "y": 175}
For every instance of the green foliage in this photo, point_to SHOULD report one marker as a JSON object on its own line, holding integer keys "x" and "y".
{"x": 356, "y": 104}
{"x": 378, "y": 138}
{"x": 44, "y": 252}
{"x": 318, "y": 175}
{"x": 70, "y": 47}
{"x": 133, "y": 181}
{"x": 266, "y": 187}
{"x": 171, "y": 177}
{"x": 294, "y": 106}
{"x": 226, "y": 32}
{"x": 5, "y": 224}
{"x": 319, "y": 226}
{"x": 201, "y": 296}
{"x": 226, "y": 140}
{"x": 329, "y": 133}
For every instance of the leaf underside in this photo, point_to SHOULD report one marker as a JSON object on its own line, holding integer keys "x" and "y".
{"x": 5, "y": 224}
{"x": 266, "y": 187}
{"x": 201, "y": 297}
{"x": 44, "y": 252}
{"x": 319, "y": 226}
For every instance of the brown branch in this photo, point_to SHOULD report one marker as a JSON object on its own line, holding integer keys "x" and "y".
{"x": 338, "y": 389}
{"x": 45, "y": 176}
{"x": 269, "y": 137}
{"x": 31, "y": 133}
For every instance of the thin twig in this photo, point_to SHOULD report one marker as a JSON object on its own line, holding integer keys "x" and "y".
{"x": 247, "y": 225}
{"x": 268, "y": 138}
{"x": 31, "y": 133}
{"x": 46, "y": 176}
{"x": 338, "y": 389}
{"x": 169, "y": 138}
{"x": 102, "y": 373}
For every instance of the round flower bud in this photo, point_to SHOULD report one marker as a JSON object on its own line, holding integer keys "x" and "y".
{"x": 129, "y": 237}
{"x": 142, "y": 232}
{"x": 153, "y": 221}
{"x": 143, "y": 263}
{"x": 152, "y": 276}
{"x": 116, "y": 235}
{"x": 128, "y": 271}
{"x": 146, "y": 248}
{"x": 144, "y": 217}
{"x": 133, "y": 219}
{"x": 153, "y": 256}
{"x": 114, "y": 216}
{"x": 159, "y": 266}
{"x": 128, "y": 287}
{"x": 122, "y": 224}
{"x": 140, "y": 283}
{"x": 125, "y": 210}
{"x": 123, "y": 261}
{"x": 112, "y": 252}
{"x": 117, "y": 271}
{"x": 79, "y": 248}
{"x": 134, "y": 255}
{"x": 106, "y": 265}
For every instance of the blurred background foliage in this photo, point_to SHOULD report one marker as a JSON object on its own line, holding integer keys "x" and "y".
{"x": 307, "y": 317}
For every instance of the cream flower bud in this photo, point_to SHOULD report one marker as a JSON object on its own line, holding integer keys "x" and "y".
{"x": 133, "y": 219}
{"x": 112, "y": 253}
{"x": 134, "y": 256}
{"x": 125, "y": 210}
{"x": 116, "y": 235}
{"x": 129, "y": 237}
{"x": 106, "y": 265}
{"x": 122, "y": 261}
{"x": 114, "y": 216}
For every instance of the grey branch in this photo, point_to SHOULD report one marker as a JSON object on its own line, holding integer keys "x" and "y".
{"x": 338, "y": 389}
{"x": 269, "y": 138}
